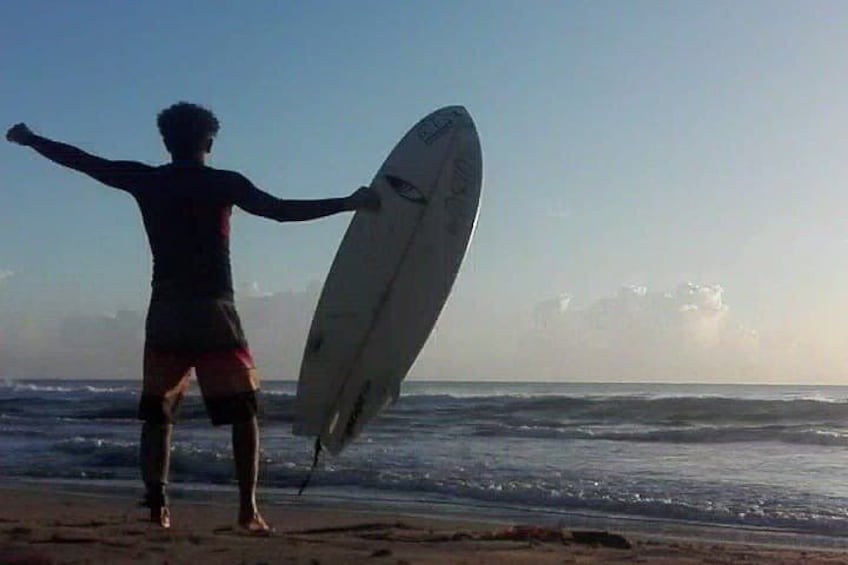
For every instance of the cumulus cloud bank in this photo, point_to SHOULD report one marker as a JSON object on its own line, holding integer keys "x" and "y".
{"x": 684, "y": 335}
{"x": 111, "y": 346}
{"x": 687, "y": 334}
{"x": 79, "y": 346}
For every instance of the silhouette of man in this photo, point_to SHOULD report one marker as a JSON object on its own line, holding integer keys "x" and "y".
{"x": 192, "y": 320}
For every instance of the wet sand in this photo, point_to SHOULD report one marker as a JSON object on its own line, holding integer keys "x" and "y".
{"x": 47, "y": 524}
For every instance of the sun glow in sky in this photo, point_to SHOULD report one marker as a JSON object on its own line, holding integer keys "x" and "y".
{"x": 676, "y": 169}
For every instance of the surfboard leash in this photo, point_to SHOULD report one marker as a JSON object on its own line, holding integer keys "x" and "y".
{"x": 315, "y": 457}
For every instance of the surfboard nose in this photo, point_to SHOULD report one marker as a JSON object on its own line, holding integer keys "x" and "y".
{"x": 459, "y": 116}
{"x": 456, "y": 112}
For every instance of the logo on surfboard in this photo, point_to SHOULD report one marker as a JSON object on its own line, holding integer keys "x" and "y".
{"x": 406, "y": 190}
{"x": 433, "y": 127}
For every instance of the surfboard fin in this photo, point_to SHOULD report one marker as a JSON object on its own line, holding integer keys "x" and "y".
{"x": 315, "y": 458}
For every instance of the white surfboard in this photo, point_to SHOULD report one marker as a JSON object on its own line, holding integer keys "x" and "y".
{"x": 390, "y": 278}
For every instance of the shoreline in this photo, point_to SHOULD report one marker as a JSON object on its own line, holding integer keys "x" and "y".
{"x": 323, "y": 498}
{"x": 48, "y": 522}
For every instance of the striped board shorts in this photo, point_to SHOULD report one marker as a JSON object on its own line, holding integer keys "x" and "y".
{"x": 204, "y": 335}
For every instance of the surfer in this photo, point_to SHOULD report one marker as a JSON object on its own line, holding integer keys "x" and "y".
{"x": 192, "y": 320}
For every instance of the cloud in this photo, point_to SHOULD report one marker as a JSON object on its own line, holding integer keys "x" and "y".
{"x": 636, "y": 334}
{"x": 252, "y": 290}
{"x": 5, "y": 274}
{"x": 687, "y": 334}
{"x": 548, "y": 311}
{"x": 78, "y": 346}
{"x": 111, "y": 346}
{"x": 276, "y": 325}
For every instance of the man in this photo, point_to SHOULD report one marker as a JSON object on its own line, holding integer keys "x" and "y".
{"x": 192, "y": 320}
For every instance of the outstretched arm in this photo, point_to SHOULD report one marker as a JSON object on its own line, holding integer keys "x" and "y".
{"x": 260, "y": 203}
{"x": 118, "y": 174}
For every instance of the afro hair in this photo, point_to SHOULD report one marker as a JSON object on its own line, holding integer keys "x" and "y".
{"x": 186, "y": 128}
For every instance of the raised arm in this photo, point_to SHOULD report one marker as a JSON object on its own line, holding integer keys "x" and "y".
{"x": 125, "y": 175}
{"x": 260, "y": 203}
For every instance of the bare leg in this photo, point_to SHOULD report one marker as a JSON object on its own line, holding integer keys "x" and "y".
{"x": 155, "y": 467}
{"x": 246, "y": 455}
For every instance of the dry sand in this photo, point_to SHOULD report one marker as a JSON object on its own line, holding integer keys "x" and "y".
{"x": 45, "y": 524}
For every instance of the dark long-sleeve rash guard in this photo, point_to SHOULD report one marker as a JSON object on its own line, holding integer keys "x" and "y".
{"x": 186, "y": 210}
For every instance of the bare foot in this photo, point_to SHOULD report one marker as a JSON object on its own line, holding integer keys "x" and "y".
{"x": 255, "y": 525}
{"x": 161, "y": 516}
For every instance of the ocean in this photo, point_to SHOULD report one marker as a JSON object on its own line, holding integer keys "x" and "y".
{"x": 750, "y": 457}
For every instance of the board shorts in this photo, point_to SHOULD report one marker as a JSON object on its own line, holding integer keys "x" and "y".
{"x": 204, "y": 335}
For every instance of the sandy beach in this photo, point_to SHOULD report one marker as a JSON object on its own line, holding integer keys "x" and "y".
{"x": 48, "y": 524}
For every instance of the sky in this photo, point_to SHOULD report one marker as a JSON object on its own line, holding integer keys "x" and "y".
{"x": 663, "y": 200}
